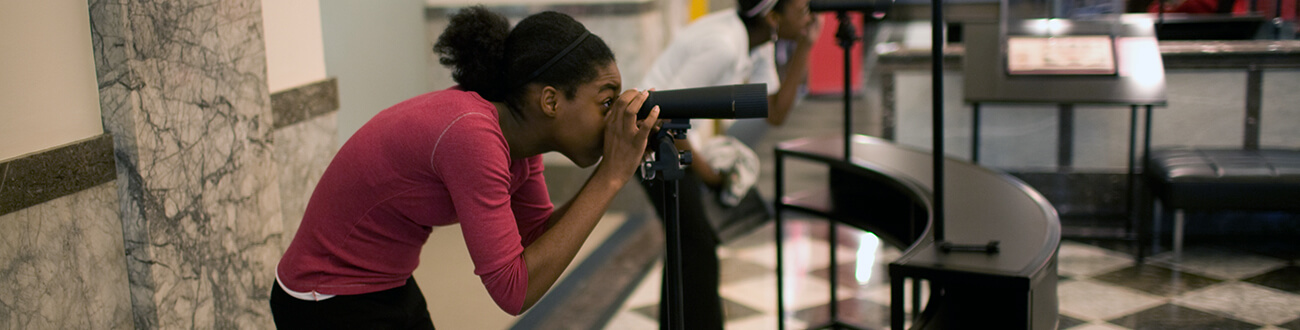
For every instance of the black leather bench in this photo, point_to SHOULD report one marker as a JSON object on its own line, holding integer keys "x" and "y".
{"x": 1217, "y": 179}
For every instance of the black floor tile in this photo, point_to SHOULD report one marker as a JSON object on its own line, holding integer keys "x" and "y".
{"x": 1156, "y": 280}
{"x": 1285, "y": 279}
{"x": 732, "y": 310}
{"x": 857, "y": 312}
{"x": 1293, "y": 325}
{"x": 733, "y": 270}
{"x": 735, "y": 311}
{"x": 1066, "y": 322}
{"x": 1174, "y": 317}
{"x": 651, "y": 311}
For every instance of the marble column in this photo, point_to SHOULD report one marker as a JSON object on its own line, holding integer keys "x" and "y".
{"x": 183, "y": 93}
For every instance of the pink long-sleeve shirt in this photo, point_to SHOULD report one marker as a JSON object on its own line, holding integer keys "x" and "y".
{"x": 434, "y": 160}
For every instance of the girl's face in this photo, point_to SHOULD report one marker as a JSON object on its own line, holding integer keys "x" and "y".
{"x": 793, "y": 19}
{"x": 579, "y": 123}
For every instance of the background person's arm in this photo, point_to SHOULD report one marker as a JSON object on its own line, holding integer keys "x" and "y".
{"x": 796, "y": 71}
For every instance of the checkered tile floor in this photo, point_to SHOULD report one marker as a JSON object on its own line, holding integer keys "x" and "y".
{"x": 1209, "y": 287}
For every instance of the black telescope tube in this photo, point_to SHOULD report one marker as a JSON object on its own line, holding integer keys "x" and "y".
{"x": 720, "y": 102}
{"x": 850, "y": 5}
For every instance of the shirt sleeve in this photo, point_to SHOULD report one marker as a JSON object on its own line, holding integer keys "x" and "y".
{"x": 472, "y": 159}
{"x": 764, "y": 70}
{"x": 531, "y": 203}
{"x": 700, "y": 65}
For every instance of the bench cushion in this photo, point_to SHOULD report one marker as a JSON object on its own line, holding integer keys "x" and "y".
{"x": 1188, "y": 178}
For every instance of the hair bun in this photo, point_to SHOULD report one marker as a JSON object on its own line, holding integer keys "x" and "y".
{"x": 473, "y": 46}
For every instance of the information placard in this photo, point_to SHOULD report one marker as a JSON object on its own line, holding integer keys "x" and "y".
{"x": 1061, "y": 55}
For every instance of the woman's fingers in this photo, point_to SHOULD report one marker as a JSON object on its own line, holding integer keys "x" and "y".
{"x": 633, "y": 107}
{"x": 624, "y": 102}
{"x": 650, "y": 123}
{"x": 625, "y": 111}
{"x": 622, "y": 125}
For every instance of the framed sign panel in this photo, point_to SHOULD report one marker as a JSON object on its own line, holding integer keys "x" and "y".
{"x": 1061, "y": 55}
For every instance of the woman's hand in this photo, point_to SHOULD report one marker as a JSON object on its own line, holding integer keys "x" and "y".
{"x": 625, "y": 136}
{"x": 811, "y": 32}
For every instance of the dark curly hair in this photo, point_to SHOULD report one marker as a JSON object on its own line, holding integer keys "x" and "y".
{"x": 489, "y": 58}
{"x": 743, "y": 6}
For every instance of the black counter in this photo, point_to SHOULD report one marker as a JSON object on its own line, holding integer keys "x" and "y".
{"x": 1012, "y": 289}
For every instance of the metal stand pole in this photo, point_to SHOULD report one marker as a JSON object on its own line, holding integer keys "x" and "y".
{"x": 673, "y": 262}
{"x": 667, "y": 167}
{"x": 936, "y": 57}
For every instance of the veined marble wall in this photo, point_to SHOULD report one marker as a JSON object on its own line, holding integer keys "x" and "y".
{"x": 306, "y": 134}
{"x": 183, "y": 93}
{"x": 302, "y": 153}
{"x": 63, "y": 266}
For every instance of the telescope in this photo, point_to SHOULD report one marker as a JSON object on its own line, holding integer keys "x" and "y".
{"x": 850, "y": 5}
{"x": 666, "y": 164}
{"x": 716, "y": 102}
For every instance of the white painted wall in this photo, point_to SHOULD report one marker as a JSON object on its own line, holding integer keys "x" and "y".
{"x": 378, "y": 52}
{"x": 48, "y": 91}
{"x": 295, "y": 54}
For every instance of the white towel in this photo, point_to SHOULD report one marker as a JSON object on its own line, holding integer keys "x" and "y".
{"x": 730, "y": 156}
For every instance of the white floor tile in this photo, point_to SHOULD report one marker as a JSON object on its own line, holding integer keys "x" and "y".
{"x": 881, "y": 295}
{"x": 646, "y": 292}
{"x": 1245, "y": 301}
{"x": 725, "y": 252}
{"x": 1219, "y": 263}
{"x": 1090, "y": 301}
{"x": 627, "y": 320}
{"x": 800, "y": 292}
{"x": 801, "y": 254}
{"x": 1097, "y": 325}
{"x": 1082, "y": 260}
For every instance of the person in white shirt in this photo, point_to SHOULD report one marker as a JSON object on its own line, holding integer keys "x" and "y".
{"x": 724, "y": 48}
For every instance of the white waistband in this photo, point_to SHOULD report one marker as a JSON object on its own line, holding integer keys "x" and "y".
{"x": 308, "y": 296}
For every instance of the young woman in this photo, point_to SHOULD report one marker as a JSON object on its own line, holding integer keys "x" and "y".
{"x": 470, "y": 154}
{"x": 724, "y": 48}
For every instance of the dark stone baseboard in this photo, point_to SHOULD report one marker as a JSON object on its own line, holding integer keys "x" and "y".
{"x": 40, "y": 177}
{"x": 305, "y": 102}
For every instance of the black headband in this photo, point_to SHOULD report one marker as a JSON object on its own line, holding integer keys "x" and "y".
{"x": 558, "y": 56}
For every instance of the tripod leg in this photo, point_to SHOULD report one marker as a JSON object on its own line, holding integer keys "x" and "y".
{"x": 703, "y": 308}
{"x": 673, "y": 260}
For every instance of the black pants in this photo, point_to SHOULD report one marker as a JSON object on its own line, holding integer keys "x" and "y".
{"x": 402, "y": 307}
{"x": 702, "y": 304}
